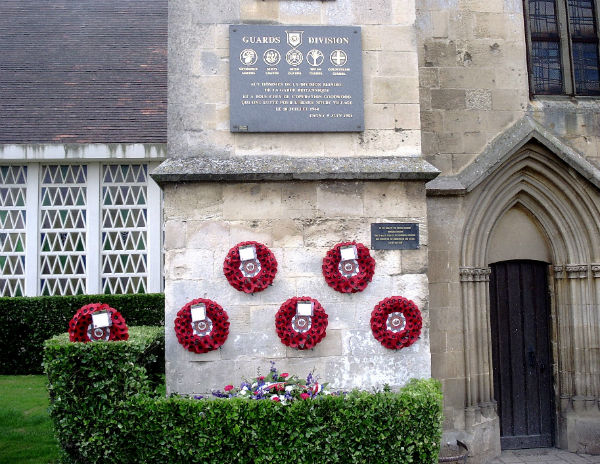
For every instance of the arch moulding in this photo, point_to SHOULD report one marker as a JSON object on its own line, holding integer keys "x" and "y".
{"x": 529, "y": 168}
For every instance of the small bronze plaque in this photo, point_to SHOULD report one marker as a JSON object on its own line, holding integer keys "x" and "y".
{"x": 395, "y": 236}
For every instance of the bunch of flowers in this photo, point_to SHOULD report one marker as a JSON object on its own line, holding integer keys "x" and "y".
{"x": 294, "y": 336}
{"x": 264, "y": 278}
{"x": 80, "y": 325}
{"x": 274, "y": 386}
{"x": 202, "y": 344}
{"x": 396, "y": 322}
{"x": 356, "y": 283}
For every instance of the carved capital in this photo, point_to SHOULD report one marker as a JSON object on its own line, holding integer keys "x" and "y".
{"x": 559, "y": 272}
{"x": 576, "y": 271}
{"x": 596, "y": 271}
{"x": 475, "y": 274}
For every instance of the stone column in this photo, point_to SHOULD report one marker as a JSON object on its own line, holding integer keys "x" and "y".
{"x": 476, "y": 320}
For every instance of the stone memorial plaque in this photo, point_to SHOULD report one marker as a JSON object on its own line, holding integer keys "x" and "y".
{"x": 395, "y": 236}
{"x": 295, "y": 78}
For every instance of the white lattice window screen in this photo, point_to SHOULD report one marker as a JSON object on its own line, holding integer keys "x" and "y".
{"x": 124, "y": 237}
{"x": 13, "y": 195}
{"x": 63, "y": 222}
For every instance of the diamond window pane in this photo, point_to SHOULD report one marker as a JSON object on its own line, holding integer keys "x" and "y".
{"x": 546, "y": 68}
{"x": 585, "y": 63}
{"x": 124, "y": 232}
{"x": 13, "y": 193}
{"x": 63, "y": 220}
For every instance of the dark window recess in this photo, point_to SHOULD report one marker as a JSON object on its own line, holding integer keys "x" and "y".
{"x": 563, "y": 47}
{"x": 584, "y": 38}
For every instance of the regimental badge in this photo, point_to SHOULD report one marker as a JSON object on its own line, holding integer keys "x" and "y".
{"x": 294, "y": 38}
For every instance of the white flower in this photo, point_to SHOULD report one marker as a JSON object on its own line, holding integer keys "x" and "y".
{"x": 289, "y": 388}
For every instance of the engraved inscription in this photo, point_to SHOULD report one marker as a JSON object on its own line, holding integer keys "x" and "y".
{"x": 306, "y": 79}
{"x": 395, "y": 236}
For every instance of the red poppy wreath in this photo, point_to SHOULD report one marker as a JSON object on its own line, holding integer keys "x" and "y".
{"x": 396, "y": 322}
{"x": 299, "y": 330}
{"x": 250, "y": 267}
{"x": 205, "y": 334}
{"x": 348, "y": 267}
{"x": 82, "y": 329}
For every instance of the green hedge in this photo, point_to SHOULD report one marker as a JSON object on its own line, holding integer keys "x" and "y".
{"x": 26, "y": 322}
{"x": 104, "y": 411}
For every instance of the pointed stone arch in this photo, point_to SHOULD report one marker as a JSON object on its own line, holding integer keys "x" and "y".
{"x": 530, "y": 168}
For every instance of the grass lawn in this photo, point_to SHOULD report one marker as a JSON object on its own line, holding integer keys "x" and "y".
{"x": 25, "y": 428}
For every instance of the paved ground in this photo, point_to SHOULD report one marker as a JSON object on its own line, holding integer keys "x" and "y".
{"x": 544, "y": 456}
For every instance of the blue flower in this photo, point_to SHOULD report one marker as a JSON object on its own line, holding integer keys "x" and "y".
{"x": 198, "y": 397}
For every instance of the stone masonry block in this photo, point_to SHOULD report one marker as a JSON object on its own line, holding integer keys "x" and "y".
{"x": 297, "y": 262}
{"x": 188, "y": 264}
{"x": 206, "y": 235}
{"x": 373, "y": 12}
{"x": 252, "y": 201}
{"x": 406, "y": 116}
{"x": 340, "y": 199}
{"x": 395, "y": 90}
{"x": 331, "y": 345}
{"x": 479, "y": 99}
{"x": 439, "y": 24}
{"x": 414, "y": 261}
{"x": 287, "y": 233}
{"x": 177, "y": 294}
{"x": 341, "y": 316}
{"x": 397, "y": 142}
{"x": 448, "y": 99}
{"x": 414, "y": 287}
{"x": 263, "y": 344}
{"x": 338, "y": 13}
{"x": 379, "y": 116}
{"x": 259, "y": 10}
{"x": 299, "y": 12}
{"x": 404, "y": 12}
{"x": 391, "y": 199}
{"x": 258, "y": 231}
{"x": 283, "y": 288}
{"x": 389, "y": 38}
{"x": 327, "y": 233}
{"x": 262, "y": 317}
{"x": 403, "y": 64}
{"x": 175, "y": 232}
{"x": 192, "y": 201}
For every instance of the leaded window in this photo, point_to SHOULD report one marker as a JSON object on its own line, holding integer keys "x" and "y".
{"x": 63, "y": 219}
{"x": 124, "y": 231}
{"x": 79, "y": 228}
{"x": 563, "y": 47}
{"x": 13, "y": 194}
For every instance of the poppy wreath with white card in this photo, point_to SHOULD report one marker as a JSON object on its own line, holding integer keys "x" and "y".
{"x": 301, "y": 323}
{"x": 396, "y": 322}
{"x": 96, "y": 322}
{"x": 348, "y": 267}
{"x": 250, "y": 267}
{"x": 201, "y": 326}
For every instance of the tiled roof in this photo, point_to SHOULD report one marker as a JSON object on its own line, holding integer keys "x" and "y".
{"x": 83, "y": 71}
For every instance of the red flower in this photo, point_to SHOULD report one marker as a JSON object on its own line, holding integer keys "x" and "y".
{"x": 276, "y": 398}
{"x": 262, "y": 377}
{"x": 284, "y": 375}
{"x": 228, "y": 388}
{"x": 304, "y": 396}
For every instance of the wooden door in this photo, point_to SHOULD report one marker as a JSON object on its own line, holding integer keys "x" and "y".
{"x": 520, "y": 324}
